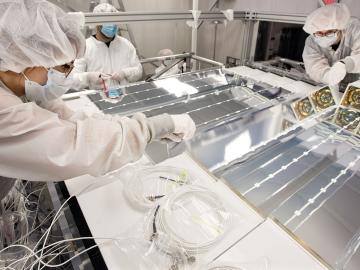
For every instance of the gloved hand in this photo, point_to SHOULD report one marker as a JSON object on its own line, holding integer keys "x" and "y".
{"x": 336, "y": 73}
{"x": 118, "y": 76}
{"x": 95, "y": 78}
{"x": 184, "y": 128}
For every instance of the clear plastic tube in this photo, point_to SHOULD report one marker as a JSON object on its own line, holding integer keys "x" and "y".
{"x": 146, "y": 185}
{"x": 193, "y": 218}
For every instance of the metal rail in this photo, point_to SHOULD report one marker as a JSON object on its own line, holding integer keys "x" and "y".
{"x": 93, "y": 19}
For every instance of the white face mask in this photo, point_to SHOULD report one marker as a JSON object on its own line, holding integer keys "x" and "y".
{"x": 326, "y": 41}
{"x": 55, "y": 87}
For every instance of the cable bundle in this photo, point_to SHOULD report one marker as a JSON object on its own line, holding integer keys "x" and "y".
{"x": 147, "y": 185}
{"x": 193, "y": 218}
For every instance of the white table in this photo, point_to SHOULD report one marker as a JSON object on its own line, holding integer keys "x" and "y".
{"x": 109, "y": 214}
{"x": 270, "y": 242}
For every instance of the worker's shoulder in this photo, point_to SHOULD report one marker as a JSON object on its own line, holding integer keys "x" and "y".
{"x": 310, "y": 41}
{"x": 124, "y": 41}
{"x": 8, "y": 99}
{"x": 354, "y": 23}
{"x": 91, "y": 40}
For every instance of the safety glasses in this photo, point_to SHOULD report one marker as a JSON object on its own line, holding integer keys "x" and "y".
{"x": 65, "y": 68}
{"x": 330, "y": 33}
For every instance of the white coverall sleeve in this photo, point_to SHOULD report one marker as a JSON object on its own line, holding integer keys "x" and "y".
{"x": 352, "y": 62}
{"x": 133, "y": 73}
{"x": 59, "y": 107}
{"x": 79, "y": 74}
{"x": 316, "y": 64}
{"x": 37, "y": 145}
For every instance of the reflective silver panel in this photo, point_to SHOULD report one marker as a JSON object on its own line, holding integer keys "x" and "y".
{"x": 309, "y": 182}
{"x": 209, "y": 97}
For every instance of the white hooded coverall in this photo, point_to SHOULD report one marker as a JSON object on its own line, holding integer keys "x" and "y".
{"x": 318, "y": 60}
{"x": 119, "y": 56}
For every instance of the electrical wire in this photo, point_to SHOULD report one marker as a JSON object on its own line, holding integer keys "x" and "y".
{"x": 198, "y": 215}
{"x": 148, "y": 184}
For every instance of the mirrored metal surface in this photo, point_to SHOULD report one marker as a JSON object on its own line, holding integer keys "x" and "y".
{"x": 209, "y": 95}
{"x": 328, "y": 203}
{"x": 307, "y": 179}
{"x": 220, "y": 145}
{"x": 144, "y": 96}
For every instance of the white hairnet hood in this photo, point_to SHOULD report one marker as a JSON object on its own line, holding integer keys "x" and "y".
{"x": 38, "y": 33}
{"x": 104, "y": 8}
{"x": 165, "y": 52}
{"x": 335, "y": 16}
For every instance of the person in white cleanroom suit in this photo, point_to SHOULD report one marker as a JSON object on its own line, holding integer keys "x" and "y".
{"x": 107, "y": 53}
{"x": 172, "y": 71}
{"x": 41, "y": 139}
{"x": 332, "y": 51}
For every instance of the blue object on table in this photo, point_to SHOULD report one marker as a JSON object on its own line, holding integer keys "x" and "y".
{"x": 115, "y": 92}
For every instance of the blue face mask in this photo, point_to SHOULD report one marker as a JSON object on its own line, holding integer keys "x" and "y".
{"x": 109, "y": 30}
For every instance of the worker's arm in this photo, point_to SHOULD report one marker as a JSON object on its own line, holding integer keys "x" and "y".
{"x": 79, "y": 74}
{"x": 59, "y": 107}
{"x": 352, "y": 62}
{"x": 133, "y": 73}
{"x": 35, "y": 144}
{"x": 316, "y": 64}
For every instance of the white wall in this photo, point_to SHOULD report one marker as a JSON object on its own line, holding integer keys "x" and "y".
{"x": 153, "y": 36}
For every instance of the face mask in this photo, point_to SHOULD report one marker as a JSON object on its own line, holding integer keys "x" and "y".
{"x": 109, "y": 30}
{"x": 55, "y": 87}
{"x": 327, "y": 41}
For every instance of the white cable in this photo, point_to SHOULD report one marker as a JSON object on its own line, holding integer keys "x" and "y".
{"x": 57, "y": 254}
{"x": 211, "y": 222}
{"x": 57, "y": 215}
{"x": 34, "y": 229}
{"x": 147, "y": 185}
{"x": 34, "y": 254}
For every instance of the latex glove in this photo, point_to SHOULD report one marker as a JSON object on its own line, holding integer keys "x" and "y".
{"x": 336, "y": 73}
{"x": 184, "y": 128}
{"x": 118, "y": 76}
{"x": 95, "y": 78}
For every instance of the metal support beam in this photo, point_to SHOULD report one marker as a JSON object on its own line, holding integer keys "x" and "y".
{"x": 169, "y": 57}
{"x": 194, "y": 31}
{"x": 271, "y": 17}
{"x": 158, "y": 75}
{"x": 205, "y": 60}
{"x": 92, "y": 19}
{"x": 254, "y": 34}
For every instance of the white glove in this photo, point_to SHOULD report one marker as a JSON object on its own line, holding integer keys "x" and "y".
{"x": 95, "y": 78}
{"x": 184, "y": 128}
{"x": 336, "y": 73}
{"x": 118, "y": 76}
